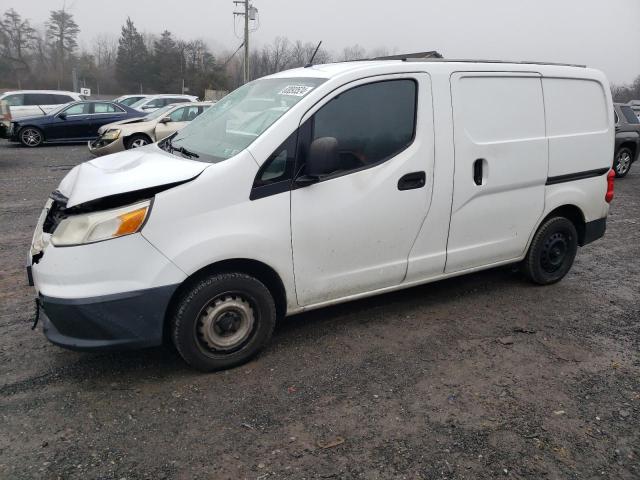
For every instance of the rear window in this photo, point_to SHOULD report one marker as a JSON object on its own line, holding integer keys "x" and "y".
{"x": 105, "y": 108}
{"x": 629, "y": 114}
{"x": 60, "y": 99}
{"x": 39, "y": 99}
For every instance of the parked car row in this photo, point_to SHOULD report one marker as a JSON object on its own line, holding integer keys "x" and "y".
{"x": 37, "y": 117}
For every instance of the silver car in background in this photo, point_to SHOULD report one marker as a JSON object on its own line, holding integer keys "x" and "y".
{"x": 138, "y": 132}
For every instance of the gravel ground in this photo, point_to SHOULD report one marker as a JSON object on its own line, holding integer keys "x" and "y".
{"x": 478, "y": 377}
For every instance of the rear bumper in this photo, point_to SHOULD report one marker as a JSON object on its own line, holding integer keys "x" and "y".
{"x": 594, "y": 230}
{"x": 112, "y": 322}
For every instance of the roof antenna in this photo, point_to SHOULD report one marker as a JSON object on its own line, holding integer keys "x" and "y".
{"x": 310, "y": 64}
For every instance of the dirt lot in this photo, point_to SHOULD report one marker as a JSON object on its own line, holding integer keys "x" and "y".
{"x": 484, "y": 376}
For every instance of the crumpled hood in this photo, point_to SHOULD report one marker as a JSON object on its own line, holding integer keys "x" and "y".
{"x": 125, "y": 172}
{"x": 137, "y": 120}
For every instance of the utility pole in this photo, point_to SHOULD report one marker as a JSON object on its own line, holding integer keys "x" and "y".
{"x": 249, "y": 13}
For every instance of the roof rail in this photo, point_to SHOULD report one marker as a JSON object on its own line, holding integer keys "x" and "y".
{"x": 517, "y": 62}
{"x": 407, "y": 56}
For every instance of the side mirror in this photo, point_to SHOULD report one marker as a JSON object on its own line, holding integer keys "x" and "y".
{"x": 323, "y": 157}
{"x": 165, "y": 119}
{"x": 62, "y": 116}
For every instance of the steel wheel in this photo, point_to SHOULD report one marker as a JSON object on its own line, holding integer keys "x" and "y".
{"x": 222, "y": 320}
{"x": 554, "y": 252}
{"x": 623, "y": 162}
{"x": 31, "y": 137}
{"x": 225, "y": 323}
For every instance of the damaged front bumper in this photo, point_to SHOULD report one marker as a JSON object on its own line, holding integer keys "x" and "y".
{"x": 105, "y": 295}
{"x": 110, "y": 322}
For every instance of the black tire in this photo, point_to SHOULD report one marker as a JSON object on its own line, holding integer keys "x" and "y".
{"x": 622, "y": 162}
{"x": 136, "y": 141}
{"x": 552, "y": 251}
{"x": 209, "y": 310}
{"x": 31, "y": 137}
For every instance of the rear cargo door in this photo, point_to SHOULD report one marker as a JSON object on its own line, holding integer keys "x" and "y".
{"x": 501, "y": 161}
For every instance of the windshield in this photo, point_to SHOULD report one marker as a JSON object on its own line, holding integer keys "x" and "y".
{"x": 129, "y": 101}
{"x": 139, "y": 102}
{"x": 629, "y": 114}
{"x": 158, "y": 113}
{"x": 233, "y": 123}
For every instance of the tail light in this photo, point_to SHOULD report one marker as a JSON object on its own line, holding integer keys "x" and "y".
{"x": 609, "y": 195}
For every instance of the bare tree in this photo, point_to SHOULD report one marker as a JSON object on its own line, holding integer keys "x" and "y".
{"x": 354, "y": 52}
{"x": 105, "y": 50}
{"x": 16, "y": 40}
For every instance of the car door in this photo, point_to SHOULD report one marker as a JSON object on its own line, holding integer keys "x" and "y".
{"x": 72, "y": 123}
{"x": 501, "y": 162}
{"x": 352, "y": 231}
{"x": 103, "y": 113}
{"x": 178, "y": 118}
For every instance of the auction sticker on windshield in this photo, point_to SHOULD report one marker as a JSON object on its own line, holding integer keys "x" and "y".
{"x": 295, "y": 90}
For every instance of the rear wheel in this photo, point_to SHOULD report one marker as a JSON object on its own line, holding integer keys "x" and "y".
{"x": 552, "y": 251}
{"x": 223, "y": 320}
{"x": 622, "y": 162}
{"x": 31, "y": 137}
{"x": 137, "y": 141}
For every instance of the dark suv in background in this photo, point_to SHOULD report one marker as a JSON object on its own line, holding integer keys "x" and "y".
{"x": 627, "y": 139}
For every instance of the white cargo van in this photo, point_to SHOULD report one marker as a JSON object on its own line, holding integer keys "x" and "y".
{"x": 321, "y": 185}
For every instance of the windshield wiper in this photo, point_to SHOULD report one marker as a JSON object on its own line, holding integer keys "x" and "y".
{"x": 170, "y": 147}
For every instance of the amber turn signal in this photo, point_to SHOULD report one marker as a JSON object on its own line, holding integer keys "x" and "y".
{"x": 130, "y": 222}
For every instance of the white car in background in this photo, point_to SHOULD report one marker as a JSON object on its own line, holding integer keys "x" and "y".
{"x": 154, "y": 102}
{"x": 129, "y": 100}
{"x": 33, "y": 103}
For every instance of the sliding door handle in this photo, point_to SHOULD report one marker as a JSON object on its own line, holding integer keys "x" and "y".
{"x": 478, "y": 171}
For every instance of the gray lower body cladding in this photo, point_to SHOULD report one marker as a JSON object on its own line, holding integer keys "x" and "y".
{"x": 122, "y": 321}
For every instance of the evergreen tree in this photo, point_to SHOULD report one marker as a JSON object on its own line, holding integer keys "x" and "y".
{"x": 132, "y": 59}
{"x": 168, "y": 67}
{"x": 62, "y": 34}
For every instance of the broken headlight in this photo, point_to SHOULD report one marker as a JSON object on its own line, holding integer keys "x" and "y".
{"x": 111, "y": 135}
{"x": 97, "y": 226}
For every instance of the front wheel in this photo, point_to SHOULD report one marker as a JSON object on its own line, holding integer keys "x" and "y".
{"x": 31, "y": 137}
{"x": 622, "y": 162}
{"x": 223, "y": 320}
{"x": 136, "y": 141}
{"x": 552, "y": 251}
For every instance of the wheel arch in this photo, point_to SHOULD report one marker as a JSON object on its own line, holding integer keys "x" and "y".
{"x": 257, "y": 269}
{"x": 126, "y": 138}
{"x": 572, "y": 213}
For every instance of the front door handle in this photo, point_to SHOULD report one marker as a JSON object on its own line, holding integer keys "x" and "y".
{"x": 412, "y": 180}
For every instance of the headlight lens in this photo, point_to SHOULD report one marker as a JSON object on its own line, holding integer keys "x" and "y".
{"x": 112, "y": 134}
{"x": 94, "y": 227}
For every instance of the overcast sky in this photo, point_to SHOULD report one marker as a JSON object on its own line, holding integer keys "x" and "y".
{"x": 604, "y": 34}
